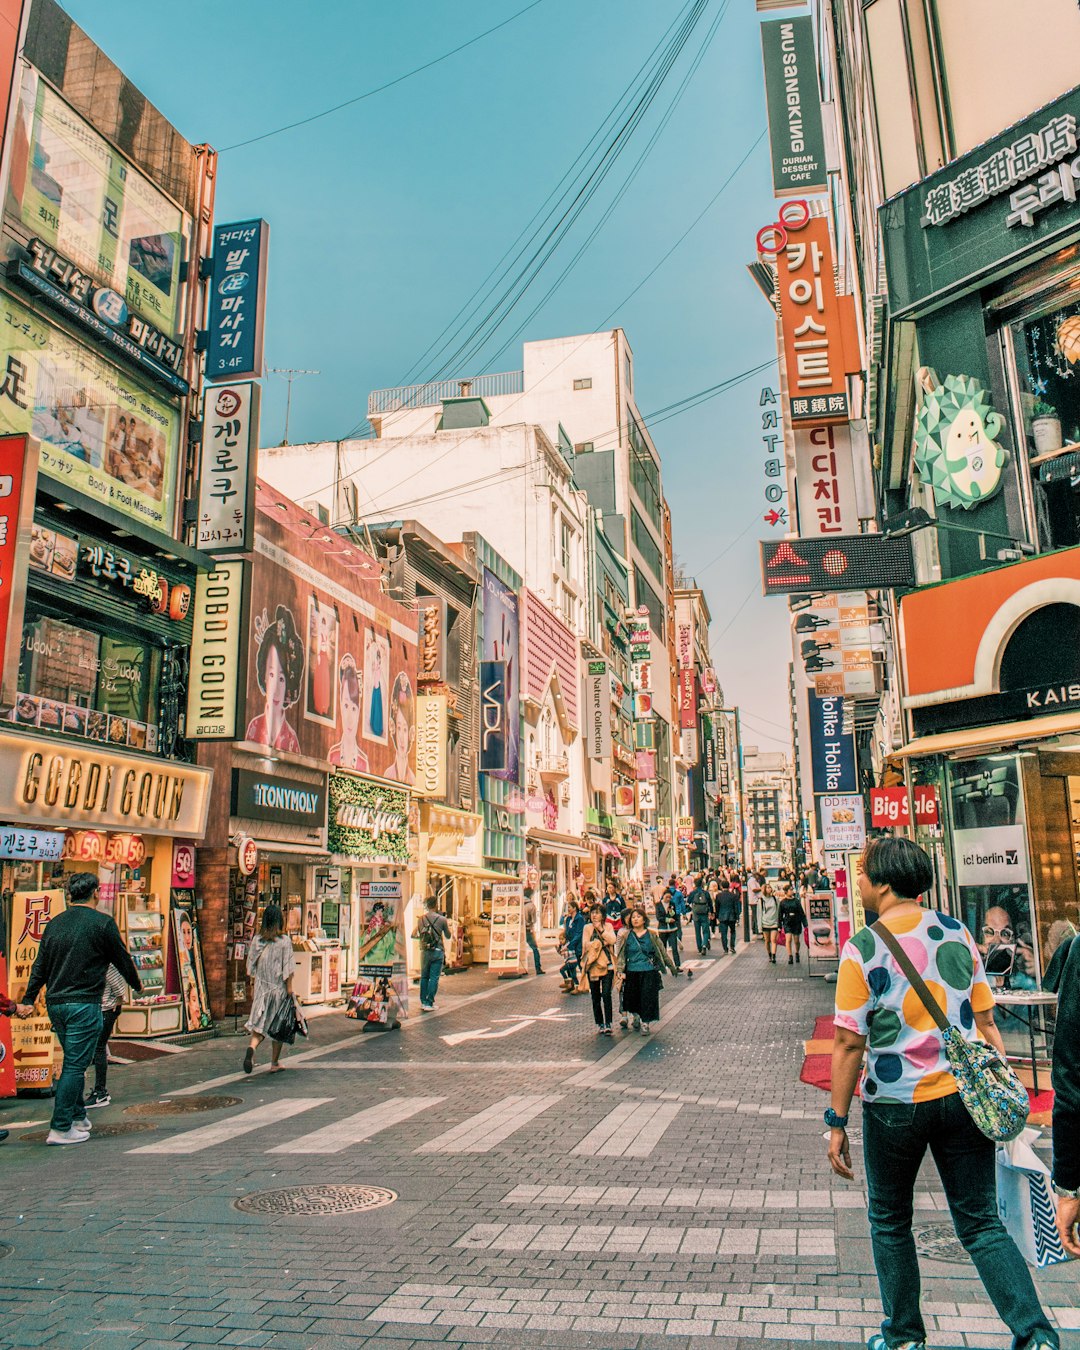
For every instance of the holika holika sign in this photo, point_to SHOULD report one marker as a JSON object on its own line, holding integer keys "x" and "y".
{"x": 367, "y": 819}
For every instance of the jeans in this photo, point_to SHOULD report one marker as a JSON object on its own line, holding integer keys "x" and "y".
{"x": 727, "y": 933}
{"x": 895, "y": 1139}
{"x": 530, "y": 938}
{"x": 77, "y": 1027}
{"x": 672, "y": 941}
{"x": 101, "y": 1053}
{"x": 571, "y": 967}
{"x": 701, "y": 931}
{"x": 601, "y": 999}
{"x": 431, "y": 967}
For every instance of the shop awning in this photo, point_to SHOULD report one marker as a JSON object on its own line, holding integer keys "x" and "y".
{"x": 552, "y": 842}
{"x": 607, "y": 850}
{"x": 465, "y": 870}
{"x": 991, "y": 737}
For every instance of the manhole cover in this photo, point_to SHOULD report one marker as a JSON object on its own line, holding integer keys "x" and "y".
{"x": 180, "y": 1106}
{"x": 938, "y": 1242}
{"x": 100, "y": 1131}
{"x": 304, "y": 1200}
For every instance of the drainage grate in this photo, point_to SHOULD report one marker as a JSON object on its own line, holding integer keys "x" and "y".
{"x": 305, "y": 1200}
{"x": 938, "y": 1242}
{"x": 100, "y": 1131}
{"x": 181, "y": 1106}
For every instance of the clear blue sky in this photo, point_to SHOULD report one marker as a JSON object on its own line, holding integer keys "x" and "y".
{"x": 385, "y": 216}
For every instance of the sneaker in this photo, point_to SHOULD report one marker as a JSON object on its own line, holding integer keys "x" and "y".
{"x": 624, "y": 1023}
{"x": 689, "y": 974}
{"x": 72, "y": 1136}
{"x": 249, "y": 1059}
{"x": 86, "y": 1124}
{"x": 3, "y": 1135}
{"x": 798, "y": 960}
{"x": 600, "y": 1031}
{"x": 791, "y": 960}
{"x": 878, "y": 1342}
{"x": 637, "y": 1023}
{"x": 427, "y": 1007}
{"x": 646, "y": 1030}
{"x": 607, "y": 1031}
{"x": 97, "y": 1098}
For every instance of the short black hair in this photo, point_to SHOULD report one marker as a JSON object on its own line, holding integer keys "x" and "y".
{"x": 82, "y": 887}
{"x": 900, "y": 864}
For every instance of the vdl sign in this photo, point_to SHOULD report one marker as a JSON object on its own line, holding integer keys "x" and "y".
{"x": 492, "y": 716}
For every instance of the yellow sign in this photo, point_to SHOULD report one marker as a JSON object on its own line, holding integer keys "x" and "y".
{"x": 854, "y": 871}
{"x": 216, "y": 633}
{"x": 32, "y": 1040}
{"x": 43, "y": 780}
{"x": 432, "y": 735}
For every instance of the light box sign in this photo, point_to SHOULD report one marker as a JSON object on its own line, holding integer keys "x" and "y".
{"x": 501, "y": 642}
{"x": 237, "y": 301}
{"x": 432, "y": 737}
{"x": 995, "y": 855}
{"x": 18, "y": 478}
{"x": 843, "y": 822}
{"x": 32, "y": 845}
{"x": 832, "y": 752}
{"x": 598, "y": 711}
{"x": 687, "y": 699}
{"x": 493, "y": 737}
{"x": 796, "y": 138}
{"x": 219, "y": 626}
{"x": 890, "y": 806}
{"x": 284, "y": 801}
{"x": 856, "y": 562}
{"x": 230, "y": 448}
{"x": 825, "y": 477}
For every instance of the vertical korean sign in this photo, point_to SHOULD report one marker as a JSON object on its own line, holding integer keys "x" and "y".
{"x": 230, "y": 446}
{"x": 598, "y": 710}
{"x": 825, "y": 478}
{"x": 237, "y": 301}
{"x": 796, "y": 138}
{"x": 33, "y": 1045}
{"x": 18, "y": 479}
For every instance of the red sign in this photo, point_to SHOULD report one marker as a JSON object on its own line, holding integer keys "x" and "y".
{"x": 7, "y": 1059}
{"x": 687, "y": 700}
{"x": 247, "y": 855}
{"x": 889, "y": 806}
{"x": 183, "y": 864}
{"x": 13, "y": 487}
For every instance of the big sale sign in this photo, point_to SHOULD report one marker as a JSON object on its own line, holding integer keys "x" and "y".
{"x": 890, "y": 806}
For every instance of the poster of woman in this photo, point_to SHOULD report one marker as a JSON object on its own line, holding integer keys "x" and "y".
{"x": 279, "y": 672}
{"x": 346, "y": 753}
{"x": 322, "y": 648}
{"x": 402, "y": 729}
{"x": 376, "y": 668}
{"x": 189, "y": 967}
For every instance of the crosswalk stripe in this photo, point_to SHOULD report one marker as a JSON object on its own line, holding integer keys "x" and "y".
{"x": 337, "y": 1137}
{"x": 481, "y": 1133}
{"x": 631, "y": 1130}
{"x": 206, "y": 1136}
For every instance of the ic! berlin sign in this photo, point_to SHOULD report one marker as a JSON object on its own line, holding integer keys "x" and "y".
{"x": 847, "y": 562}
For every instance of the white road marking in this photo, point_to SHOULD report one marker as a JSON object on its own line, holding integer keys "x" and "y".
{"x": 221, "y": 1131}
{"x": 481, "y": 1133}
{"x": 342, "y": 1134}
{"x": 631, "y": 1130}
{"x": 519, "y": 1022}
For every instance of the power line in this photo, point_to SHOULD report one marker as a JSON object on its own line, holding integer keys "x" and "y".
{"x": 382, "y": 88}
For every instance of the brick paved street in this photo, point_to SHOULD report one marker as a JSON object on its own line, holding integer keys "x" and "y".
{"x": 554, "y": 1189}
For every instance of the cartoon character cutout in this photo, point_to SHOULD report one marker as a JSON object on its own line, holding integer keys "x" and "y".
{"x": 347, "y": 753}
{"x": 279, "y": 669}
{"x": 402, "y": 729}
{"x": 956, "y": 450}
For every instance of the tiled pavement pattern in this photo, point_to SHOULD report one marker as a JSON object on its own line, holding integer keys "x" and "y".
{"x": 715, "y": 1222}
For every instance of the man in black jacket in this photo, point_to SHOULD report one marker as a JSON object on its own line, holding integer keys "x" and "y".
{"x": 1066, "y": 1084}
{"x": 76, "y": 951}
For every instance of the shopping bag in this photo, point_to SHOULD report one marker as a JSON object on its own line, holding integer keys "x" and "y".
{"x": 1026, "y": 1203}
{"x": 781, "y": 940}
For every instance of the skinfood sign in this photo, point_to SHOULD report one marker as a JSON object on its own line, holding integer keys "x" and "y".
{"x": 71, "y": 787}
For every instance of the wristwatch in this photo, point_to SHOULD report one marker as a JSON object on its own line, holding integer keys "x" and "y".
{"x": 1065, "y": 1194}
{"x": 834, "y": 1121}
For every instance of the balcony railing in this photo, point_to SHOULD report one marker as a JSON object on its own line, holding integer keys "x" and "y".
{"x": 553, "y": 767}
{"x": 381, "y": 401}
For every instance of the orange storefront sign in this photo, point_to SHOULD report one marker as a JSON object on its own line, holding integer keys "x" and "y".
{"x": 953, "y": 635}
{"x": 818, "y": 327}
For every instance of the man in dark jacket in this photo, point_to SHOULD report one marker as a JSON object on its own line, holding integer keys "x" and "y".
{"x": 728, "y": 910}
{"x": 700, "y": 909}
{"x": 76, "y": 950}
{"x": 1066, "y": 1084}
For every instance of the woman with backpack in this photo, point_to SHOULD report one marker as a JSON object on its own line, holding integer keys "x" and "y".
{"x": 639, "y": 958}
{"x": 598, "y": 965}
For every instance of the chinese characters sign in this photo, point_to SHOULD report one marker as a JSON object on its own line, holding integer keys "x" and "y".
{"x": 230, "y": 448}
{"x": 32, "y": 1040}
{"x": 237, "y": 301}
{"x": 825, "y": 477}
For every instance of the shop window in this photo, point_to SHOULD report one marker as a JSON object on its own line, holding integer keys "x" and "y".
{"x": 580, "y": 385}
{"x": 1047, "y": 350}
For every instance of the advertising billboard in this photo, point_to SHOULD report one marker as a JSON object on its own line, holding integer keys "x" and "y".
{"x": 72, "y": 189}
{"x": 101, "y": 430}
{"x": 501, "y": 642}
{"x": 832, "y": 752}
{"x": 331, "y": 662}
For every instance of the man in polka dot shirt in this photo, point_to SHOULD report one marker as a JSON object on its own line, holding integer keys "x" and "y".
{"x": 910, "y": 1099}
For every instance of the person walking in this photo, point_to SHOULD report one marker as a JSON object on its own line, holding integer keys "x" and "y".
{"x": 769, "y": 916}
{"x": 1065, "y": 1080}
{"x": 270, "y": 963}
{"x": 614, "y": 904}
{"x": 76, "y": 950}
{"x": 910, "y": 1098}
{"x": 793, "y": 922}
{"x": 112, "y": 1001}
{"x": 639, "y": 958}
{"x": 755, "y": 885}
{"x": 728, "y": 910}
{"x": 700, "y": 909}
{"x": 530, "y": 928}
{"x": 598, "y": 965}
{"x": 432, "y": 932}
{"x": 669, "y": 930}
{"x": 572, "y": 931}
